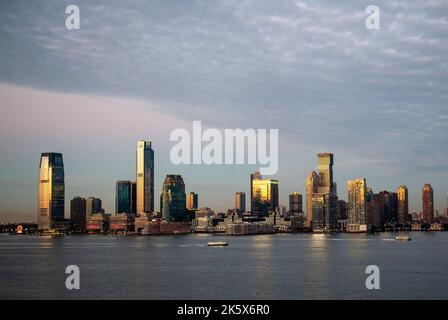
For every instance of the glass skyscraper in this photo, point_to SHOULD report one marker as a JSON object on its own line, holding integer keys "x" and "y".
{"x": 192, "y": 201}
{"x": 403, "y": 204}
{"x": 125, "y": 197}
{"x": 51, "y": 190}
{"x": 240, "y": 202}
{"x": 428, "y": 203}
{"x": 264, "y": 197}
{"x": 295, "y": 203}
{"x": 93, "y": 206}
{"x": 173, "y": 198}
{"x": 78, "y": 213}
{"x": 145, "y": 177}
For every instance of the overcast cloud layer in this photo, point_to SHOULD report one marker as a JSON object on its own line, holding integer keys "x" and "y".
{"x": 311, "y": 69}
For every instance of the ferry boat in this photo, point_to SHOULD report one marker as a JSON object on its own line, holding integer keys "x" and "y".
{"x": 217, "y": 244}
{"x": 403, "y": 238}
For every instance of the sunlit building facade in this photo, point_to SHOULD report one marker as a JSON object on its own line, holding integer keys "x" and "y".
{"x": 428, "y": 203}
{"x": 312, "y": 184}
{"x": 145, "y": 177}
{"x": 356, "y": 205}
{"x": 253, "y": 176}
{"x": 325, "y": 172}
{"x": 93, "y": 206}
{"x": 240, "y": 202}
{"x": 173, "y": 198}
{"x": 51, "y": 190}
{"x": 264, "y": 197}
{"x": 403, "y": 204}
{"x": 192, "y": 201}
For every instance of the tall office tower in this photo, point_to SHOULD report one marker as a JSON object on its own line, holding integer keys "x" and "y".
{"x": 403, "y": 204}
{"x": 356, "y": 205}
{"x": 325, "y": 171}
{"x": 264, "y": 197}
{"x": 428, "y": 203}
{"x": 51, "y": 190}
{"x": 145, "y": 177}
{"x": 192, "y": 201}
{"x": 253, "y": 176}
{"x": 123, "y": 196}
{"x": 312, "y": 184}
{"x": 78, "y": 213}
{"x": 240, "y": 202}
{"x": 93, "y": 205}
{"x": 173, "y": 199}
{"x": 295, "y": 204}
{"x": 342, "y": 209}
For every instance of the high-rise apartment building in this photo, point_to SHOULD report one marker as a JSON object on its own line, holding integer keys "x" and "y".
{"x": 325, "y": 172}
{"x": 192, "y": 201}
{"x": 295, "y": 204}
{"x": 312, "y": 184}
{"x": 240, "y": 202}
{"x": 145, "y": 178}
{"x": 51, "y": 190}
{"x": 356, "y": 205}
{"x": 173, "y": 198}
{"x": 403, "y": 204}
{"x": 78, "y": 214}
{"x": 428, "y": 203}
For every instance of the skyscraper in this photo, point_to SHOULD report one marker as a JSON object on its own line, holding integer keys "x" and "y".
{"x": 51, "y": 190}
{"x": 295, "y": 203}
{"x": 312, "y": 184}
{"x": 356, "y": 205}
{"x": 78, "y": 213}
{"x": 145, "y": 177}
{"x": 124, "y": 196}
{"x": 325, "y": 171}
{"x": 403, "y": 204}
{"x": 172, "y": 199}
{"x": 192, "y": 201}
{"x": 240, "y": 202}
{"x": 93, "y": 205}
{"x": 253, "y": 176}
{"x": 428, "y": 203}
{"x": 264, "y": 197}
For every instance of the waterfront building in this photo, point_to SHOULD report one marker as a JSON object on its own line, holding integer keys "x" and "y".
{"x": 125, "y": 197}
{"x": 192, "y": 201}
{"x": 78, "y": 214}
{"x": 373, "y": 209}
{"x": 428, "y": 204}
{"x": 342, "y": 210}
{"x": 295, "y": 204}
{"x": 121, "y": 223}
{"x": 356, "y": 205}
{"x": 264, "y": 197}
{"x": 98, "y": 223}
{"x": 145, "y": 178}
{"x": 93, "y": 206}
{"x": 325, "y": 172}
{"x": 312, "y": 184}
{"x": 403, "y": 204}
{"x": 51, "y": 191}
{"x": 325, "y": 212}
{"x": 240, "y": 202}
{"x": 173, "y": 199}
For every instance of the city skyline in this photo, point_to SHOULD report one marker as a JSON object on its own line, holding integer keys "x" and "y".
{"x": 376, "y": 99}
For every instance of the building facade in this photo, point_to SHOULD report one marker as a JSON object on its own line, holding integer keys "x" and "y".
{"x": 253, "y": 176}
{"x": 192, "y": 201}
{"x": 145, "y": 178}
{"x": 93, "y": 206}
{"x": 403, "y": 204}
{"x": 78, "y": 214}
{"x": 356, "y": 205}
{"x": 295, "y": 204}
{"x": 51, "y": 190}
{"x": 240, "y": 202}
{"x": 173, "y": 198}
{"x": 125, "y": 197}
{"x": 264, "y": 197}
{"x": 428, "y": 203}
{"x": 312, "y": 184}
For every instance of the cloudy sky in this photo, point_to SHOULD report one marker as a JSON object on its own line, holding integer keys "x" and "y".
{"x": 376, "y": 99}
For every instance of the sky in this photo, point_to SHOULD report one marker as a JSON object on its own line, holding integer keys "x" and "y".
{"x": 377, "y": 99}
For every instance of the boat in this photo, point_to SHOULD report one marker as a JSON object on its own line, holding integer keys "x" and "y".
{"x": 403, "y": 238}
{"x": 217, "y": 244}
